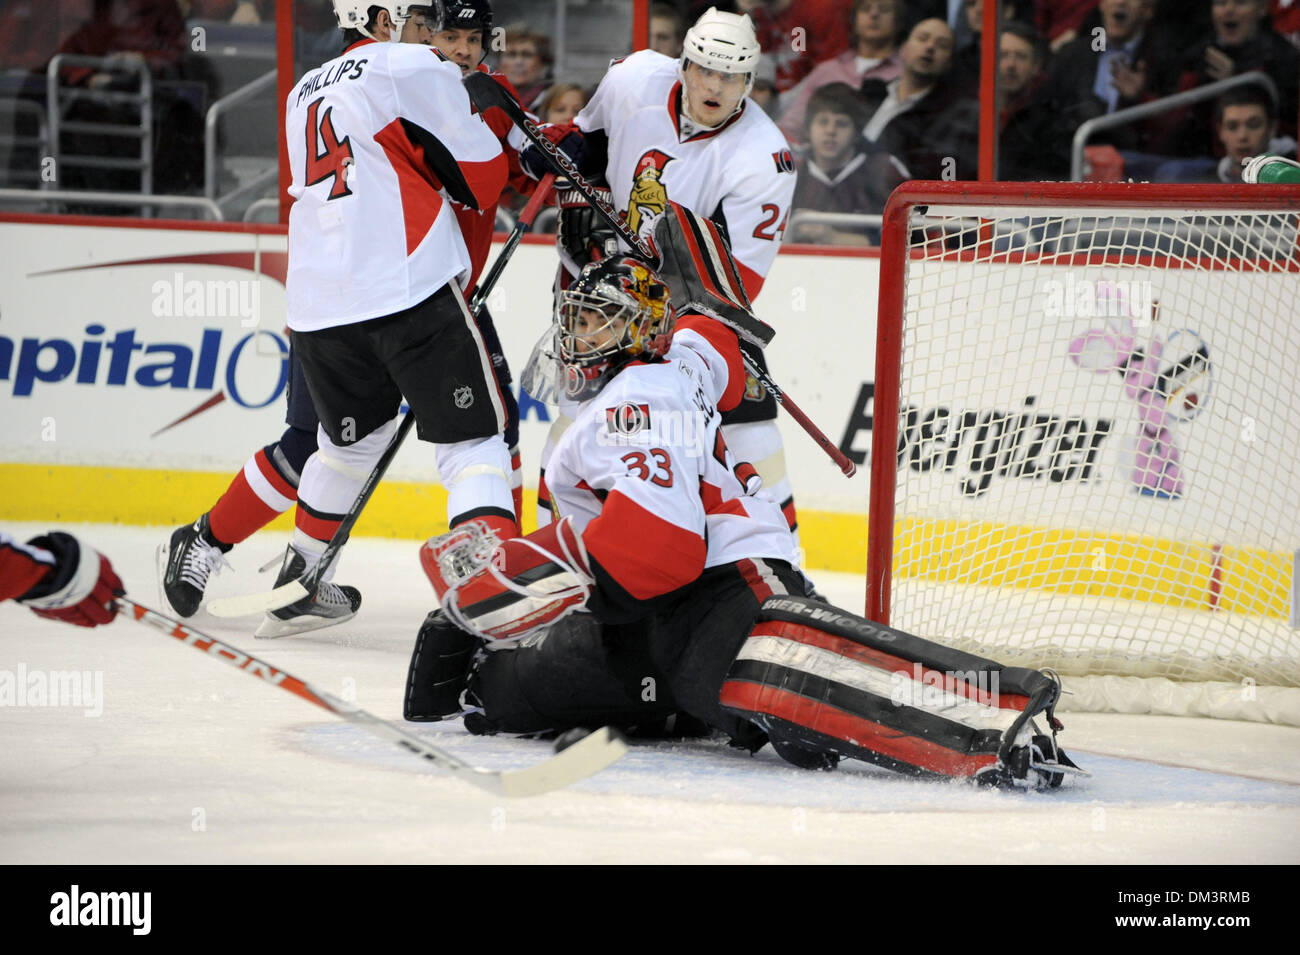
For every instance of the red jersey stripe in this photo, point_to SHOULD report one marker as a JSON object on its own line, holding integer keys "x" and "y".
{"x": 646, "y": 554}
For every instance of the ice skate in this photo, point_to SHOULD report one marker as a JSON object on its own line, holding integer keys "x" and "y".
{"x": 330, "y": 604}
{"x": 185, "y": 561}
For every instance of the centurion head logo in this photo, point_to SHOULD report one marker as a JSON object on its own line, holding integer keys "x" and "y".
{"x": 649, "y": 197}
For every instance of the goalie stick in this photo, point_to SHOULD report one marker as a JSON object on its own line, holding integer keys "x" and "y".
{"x": 584, "y": 758}
{"x": 296, "y": 590}
{"x": 491, "y": 93}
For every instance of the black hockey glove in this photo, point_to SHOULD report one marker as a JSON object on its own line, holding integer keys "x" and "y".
{"x": 583, "y": 236}
{"x": 567, "y": 137}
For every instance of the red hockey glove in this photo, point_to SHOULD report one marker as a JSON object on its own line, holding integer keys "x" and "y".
{"x": 82, "y": 587}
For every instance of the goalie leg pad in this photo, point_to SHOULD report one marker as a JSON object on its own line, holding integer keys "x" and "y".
{"x": 581, "y": 674}
{"x": 827, "y": 680}
{"x": 439, "y": 670}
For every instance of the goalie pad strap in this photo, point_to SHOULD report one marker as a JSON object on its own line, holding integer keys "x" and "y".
{"x": 832, "y": 681}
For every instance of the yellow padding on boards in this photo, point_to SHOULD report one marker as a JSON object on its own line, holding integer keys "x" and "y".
{"x": 64, "y": 494}
{"x": 1196, "y": 575}
{"x": 402, "y": 509}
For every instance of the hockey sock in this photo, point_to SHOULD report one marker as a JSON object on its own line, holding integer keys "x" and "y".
{"x": 258, "y": 493}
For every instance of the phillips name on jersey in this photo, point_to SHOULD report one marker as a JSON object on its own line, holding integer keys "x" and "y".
{"x": 737, "y": 174}
{"x": 373, "y": 147}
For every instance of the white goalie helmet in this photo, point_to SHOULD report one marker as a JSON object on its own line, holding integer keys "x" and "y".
{"x": 725, "y": 42}
{"x": 355, "y": 14}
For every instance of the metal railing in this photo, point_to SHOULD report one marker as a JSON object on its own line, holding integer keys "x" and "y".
{"x": 56, "y": 95}
{"x": 53, "y": 197}
{"x": 211, "y": 173}
{"x": 14, "y": 142}
{"x": 1125, "y": 116}
{"x": 256, "y": 208}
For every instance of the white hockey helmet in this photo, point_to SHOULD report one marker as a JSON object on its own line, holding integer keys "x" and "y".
{"x": 725, "y": 42}
{"x": 355, "y": 14}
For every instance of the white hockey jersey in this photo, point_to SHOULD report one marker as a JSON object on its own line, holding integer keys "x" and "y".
{"x": 742, "y": 170}
{"x": 651, "y": 484}
{"x": 370, "y": 232}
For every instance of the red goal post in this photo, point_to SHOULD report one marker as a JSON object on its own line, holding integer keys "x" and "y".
{"x": 1086, "y": 435}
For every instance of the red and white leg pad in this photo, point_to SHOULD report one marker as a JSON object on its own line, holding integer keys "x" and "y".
{"x": 829, "y": 681}
{"x": 506, "y": 591}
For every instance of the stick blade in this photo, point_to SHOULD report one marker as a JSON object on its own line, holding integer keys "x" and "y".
{"x": 247, "y": 604}
{"x": 588, "y": 756}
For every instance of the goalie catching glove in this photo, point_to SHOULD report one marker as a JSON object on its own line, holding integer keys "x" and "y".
{"x": 506, "y": 591}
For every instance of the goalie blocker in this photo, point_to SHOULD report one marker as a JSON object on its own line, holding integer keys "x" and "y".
{"x": 828, "y": 681}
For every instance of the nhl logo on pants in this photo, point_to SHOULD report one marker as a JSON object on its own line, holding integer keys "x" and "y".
{"x": 463, "y": 396}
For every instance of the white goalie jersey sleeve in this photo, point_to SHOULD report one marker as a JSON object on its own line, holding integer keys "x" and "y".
{"x": 649, "y": 480}
{"x": 741, "y": 174}
{"x": 378, "y": 139}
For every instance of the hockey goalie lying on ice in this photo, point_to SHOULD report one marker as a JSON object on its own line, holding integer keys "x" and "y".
{"x": 670, "y": 582}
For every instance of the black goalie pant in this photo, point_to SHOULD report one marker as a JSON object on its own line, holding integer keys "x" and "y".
{"x": 675, "y": 660}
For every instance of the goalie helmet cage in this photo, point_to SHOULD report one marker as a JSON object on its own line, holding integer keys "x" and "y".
{"x": 1086, "y": 437}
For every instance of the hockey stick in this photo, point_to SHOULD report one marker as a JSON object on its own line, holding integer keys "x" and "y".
{"x": 296, "y": 590}
{"x": 586, "y": 757}
{"x": 491, "y": 93}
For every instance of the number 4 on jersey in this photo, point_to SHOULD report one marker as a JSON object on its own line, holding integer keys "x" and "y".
{"x": 335, "y": 159}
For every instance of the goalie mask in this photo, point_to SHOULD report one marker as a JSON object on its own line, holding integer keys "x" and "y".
{"x": 616, "y": 311}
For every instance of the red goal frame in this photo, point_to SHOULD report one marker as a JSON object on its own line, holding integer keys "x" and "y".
{"x": 894, "y": 256}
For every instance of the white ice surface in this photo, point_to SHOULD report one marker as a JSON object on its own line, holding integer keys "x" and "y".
{"x": 191, "y": 761}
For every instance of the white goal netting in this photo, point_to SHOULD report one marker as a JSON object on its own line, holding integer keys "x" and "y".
{"x": 1098, "y": 441}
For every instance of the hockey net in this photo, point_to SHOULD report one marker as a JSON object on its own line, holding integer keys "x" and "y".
{"x": 1086, "y": 438}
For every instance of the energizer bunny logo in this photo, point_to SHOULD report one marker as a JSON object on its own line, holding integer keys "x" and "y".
{"x": 1167, "y": 374}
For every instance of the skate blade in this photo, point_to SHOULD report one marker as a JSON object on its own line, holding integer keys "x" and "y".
{"x": 164, "y": 553}
{"x": 273, "y": 628}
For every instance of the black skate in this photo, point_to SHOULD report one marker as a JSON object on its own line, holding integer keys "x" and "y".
{"x": 330, "y": 604}
{"x": 185, "y": 561}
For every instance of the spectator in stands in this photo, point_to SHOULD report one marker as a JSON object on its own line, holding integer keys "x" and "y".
{"x": 30, "y": 30}
{"x": 561, "y": 103}
{"x": 968, "y": 41}
{"x": 921, "y": 117}
{"x": 1286, "y": 20}
{"x": 1245, "y": 124}
{"x": 1035, "y": 132}
{"x": 666, "y": 29}
{"x": 765, "y": 97}
{"x": 842, "y": 172}
{"x": 796, "y": 36}
{"x": 1096, "y": 75}
{"x": 246, "y": 12}
{"x": 526, "y": 62}
{"x": 139, "y": 31}
{"x": 1241, "y": 39}
{"x": 1061, "y": 20}
{"x": 875, "y": 27}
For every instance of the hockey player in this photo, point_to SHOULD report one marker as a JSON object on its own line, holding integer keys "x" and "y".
{"x": 660, "y": 130}
{"x": 686, "y": 579}
{"x": 268, "y": 483}
{"x": 60, "y": 578}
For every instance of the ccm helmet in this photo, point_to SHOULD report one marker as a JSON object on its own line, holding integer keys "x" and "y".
{"x": 724, "y": 42}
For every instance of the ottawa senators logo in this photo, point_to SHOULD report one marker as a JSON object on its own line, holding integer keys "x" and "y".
{"x": 648, "y": 199}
